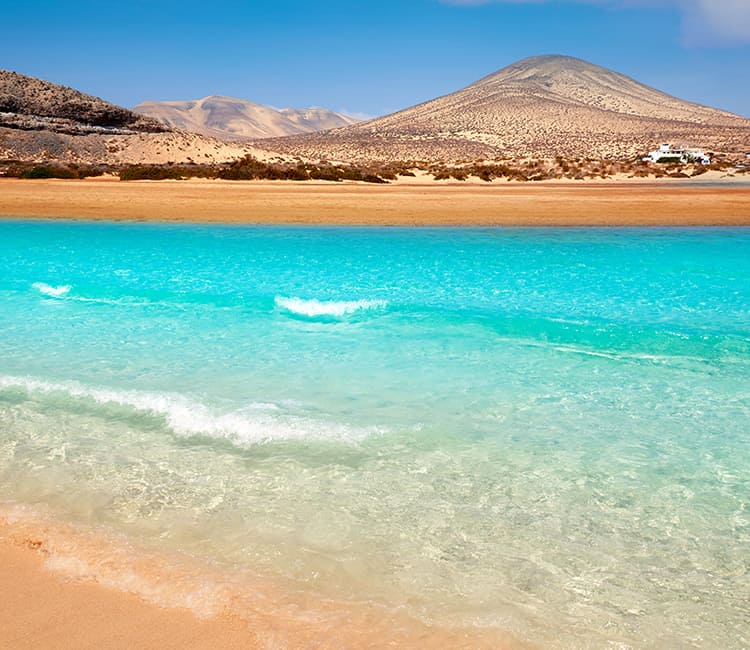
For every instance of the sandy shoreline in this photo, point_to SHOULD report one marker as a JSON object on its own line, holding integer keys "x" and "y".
{"x": 42, "y": 609}
{"x": 558, "y": 204}
{"x": 75, "y": 588}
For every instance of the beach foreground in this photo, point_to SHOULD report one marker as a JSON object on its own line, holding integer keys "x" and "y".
{"x": 551, "y": 204}
{"x": 380, "y": 437}
{"x": 64, "y": 601}
{"x": 48, "y": 610}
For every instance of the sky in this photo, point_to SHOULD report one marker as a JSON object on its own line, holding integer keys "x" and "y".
{"x": 368, "y": 58}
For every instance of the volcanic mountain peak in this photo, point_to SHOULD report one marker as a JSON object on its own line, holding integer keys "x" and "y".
{"x": 546, "y": 66}
{"x": 567, "y": 79}
{"x": 543, "y": 106}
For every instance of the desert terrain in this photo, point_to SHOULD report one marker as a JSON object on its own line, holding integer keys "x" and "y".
{"x": 545, "y": 107}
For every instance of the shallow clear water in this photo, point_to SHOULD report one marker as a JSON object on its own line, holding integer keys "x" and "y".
{"x": 545, "y": 431}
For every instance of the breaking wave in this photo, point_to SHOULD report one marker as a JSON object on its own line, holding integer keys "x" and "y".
{"x": 49, "y": 290}
{"x": 253, "y": 423}
{"x": 336, "y": 308}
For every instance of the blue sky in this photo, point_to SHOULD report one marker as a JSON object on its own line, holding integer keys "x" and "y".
{"x": 369, "y": 57}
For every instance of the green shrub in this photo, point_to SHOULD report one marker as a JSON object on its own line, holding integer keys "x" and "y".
{"x": 38, "y": 172}
{"x": 325, "y": 173}
{"x": 149, "y": 173}
{"x": 51, "y": 171}
{"x": 351, "y": 173}
{"x": 485, "y": 173}
{"x": 373, "y": 178}
{"x": 86, "y": 172}
{"x": 164, "y": 172}
{"x": 250, "y": 168}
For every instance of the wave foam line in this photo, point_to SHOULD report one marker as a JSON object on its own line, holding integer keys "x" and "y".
{"x": 49, "y": 290}
{"x": 338, "y": 308}
{"x": 251, "y": 424}
{"x": 63, "y": 290}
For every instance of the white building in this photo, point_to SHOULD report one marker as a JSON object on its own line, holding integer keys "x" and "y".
{"x": 665, "y": 153}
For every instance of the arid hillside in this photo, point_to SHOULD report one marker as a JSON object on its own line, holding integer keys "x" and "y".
{"x": 227, "y": 118}
{"x": 42, "y": 121}
{"x": 543, "y": 106}
{"x": 31, "y": 104}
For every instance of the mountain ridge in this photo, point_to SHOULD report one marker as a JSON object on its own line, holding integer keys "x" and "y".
{"x": 224, "y": 117}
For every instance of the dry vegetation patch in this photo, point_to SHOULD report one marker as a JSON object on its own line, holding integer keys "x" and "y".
{"x": 250, "y": 168}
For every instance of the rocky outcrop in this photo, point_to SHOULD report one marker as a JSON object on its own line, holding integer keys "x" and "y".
{"x": 33, "y": 104}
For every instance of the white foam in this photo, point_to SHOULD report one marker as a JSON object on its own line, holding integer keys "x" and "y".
{"x": 206, "y": 598}
{"x": 336, "y": 308}
{"x": 125, "y": 301}
{"x": 254, "y": 423}
{"x": 48, "y": 290}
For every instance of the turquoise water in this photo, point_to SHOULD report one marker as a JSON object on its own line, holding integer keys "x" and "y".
{"x": 544, "y": 431}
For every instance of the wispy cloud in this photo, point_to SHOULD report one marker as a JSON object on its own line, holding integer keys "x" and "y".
{"x": 724, "y": 20}
{"x": 705, "y": 22}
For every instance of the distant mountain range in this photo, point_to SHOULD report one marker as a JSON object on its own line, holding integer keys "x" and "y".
{"x": 542, "y": 106}
{"x": 239, "y": 119}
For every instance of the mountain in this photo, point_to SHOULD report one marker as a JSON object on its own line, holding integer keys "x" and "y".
{"x": 44, "y": 121}
{"x": 239, "y": 119}
{"x": 542, "y": 106}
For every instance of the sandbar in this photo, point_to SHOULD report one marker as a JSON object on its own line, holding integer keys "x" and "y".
{"x": 359, "y": 204}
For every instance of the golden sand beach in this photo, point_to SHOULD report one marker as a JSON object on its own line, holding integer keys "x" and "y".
{"x": 69, "y": 588}
{"x": 434, "y": 204}
{"x": 42, "y": 609}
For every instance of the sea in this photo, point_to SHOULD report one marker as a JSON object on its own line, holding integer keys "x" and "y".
{"x": 537, "y": 432}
